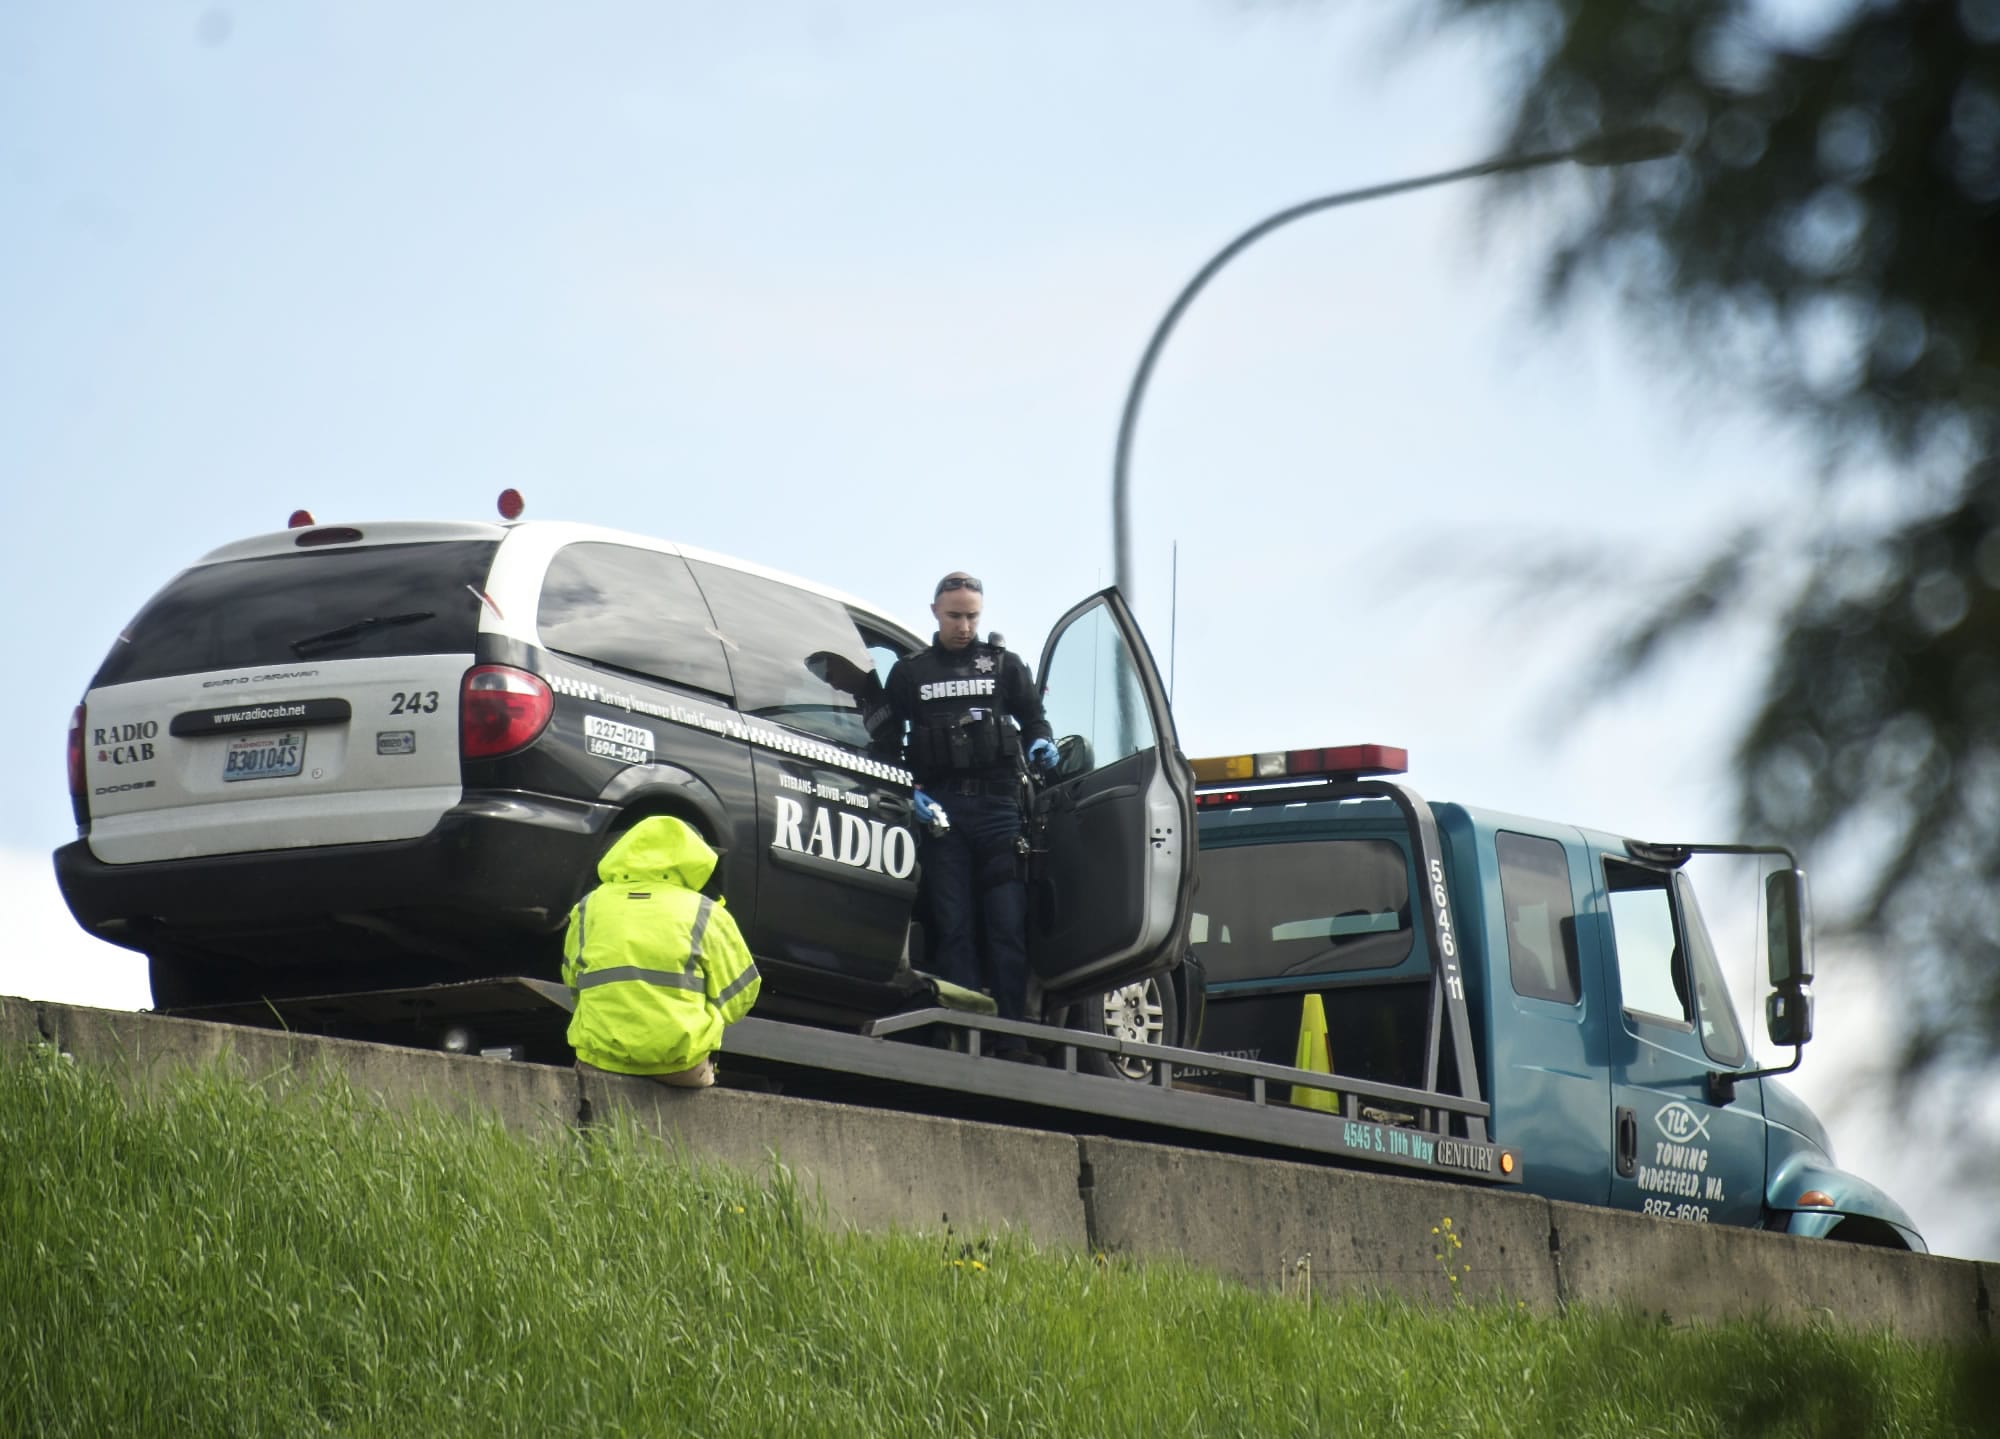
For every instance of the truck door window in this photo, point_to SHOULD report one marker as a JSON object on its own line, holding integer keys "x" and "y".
{"x": 1541, "y": 919}
{"x": 1093, "y": 698}
{"x": 1652, "y": 971}
{"x": 1267, "y": 911}
{"x": 1721, "y": 1035}
{"x": 633, "y": 609}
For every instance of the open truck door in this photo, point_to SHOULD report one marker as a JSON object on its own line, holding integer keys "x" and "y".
{"x": 1110, "y": 895}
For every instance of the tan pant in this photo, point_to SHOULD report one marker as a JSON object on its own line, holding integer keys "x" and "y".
{"x": 695, "y": 1076}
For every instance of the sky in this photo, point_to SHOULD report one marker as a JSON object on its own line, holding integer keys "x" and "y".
{"x": 856, "y": 291}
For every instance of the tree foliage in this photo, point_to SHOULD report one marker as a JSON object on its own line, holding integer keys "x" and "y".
{"x": 1830, "y": 241}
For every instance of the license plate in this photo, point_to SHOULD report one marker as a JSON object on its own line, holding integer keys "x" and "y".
{"x": 264, "y": 756}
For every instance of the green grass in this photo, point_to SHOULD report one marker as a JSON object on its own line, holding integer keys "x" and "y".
{"x": 223, "y": 1258}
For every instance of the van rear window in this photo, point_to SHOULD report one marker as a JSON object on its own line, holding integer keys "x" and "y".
{"x": 357, "y": 603}
{"x": 1270, "y": 911}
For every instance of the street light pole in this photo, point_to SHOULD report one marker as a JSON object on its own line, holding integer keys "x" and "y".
{"x": 1620, "y": 148}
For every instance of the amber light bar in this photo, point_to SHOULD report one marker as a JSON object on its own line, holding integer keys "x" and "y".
{"x": 1350, "y": 761}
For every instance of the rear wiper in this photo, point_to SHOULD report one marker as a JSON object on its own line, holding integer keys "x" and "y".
{"x": 333, "y": 638}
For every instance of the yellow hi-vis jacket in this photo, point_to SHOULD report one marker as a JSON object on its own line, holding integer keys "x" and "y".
{"x": 658, "y": 968}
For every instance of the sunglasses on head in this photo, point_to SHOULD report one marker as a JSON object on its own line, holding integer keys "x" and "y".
{"x": 959, "y": 582}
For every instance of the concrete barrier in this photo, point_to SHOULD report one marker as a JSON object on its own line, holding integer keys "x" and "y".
{"x": 1271, "y": 1222}
{"x": 143, "y": 1049}
{"x": 1682, "y": 1270}
{"x": 1265, "y": 1222}
{"x": 874, "y": 1169}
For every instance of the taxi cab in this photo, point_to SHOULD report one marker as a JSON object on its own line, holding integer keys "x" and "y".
{"x": 343, "y": 757}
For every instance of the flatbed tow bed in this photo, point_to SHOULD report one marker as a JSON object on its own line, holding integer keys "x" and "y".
{"x": 934, "y": 1059}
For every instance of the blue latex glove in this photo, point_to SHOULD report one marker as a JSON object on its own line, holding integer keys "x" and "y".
{"x": 1042, "y": 754}
{"x": 926, "y": 807}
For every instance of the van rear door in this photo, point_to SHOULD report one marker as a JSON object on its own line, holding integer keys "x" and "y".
{"x": 1110, "y": 901}
{"x": 276, "y": 696}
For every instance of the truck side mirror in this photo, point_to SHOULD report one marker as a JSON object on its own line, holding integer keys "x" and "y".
{"x": 1788, "y": 1015}
{"x": 1790, "y": 929}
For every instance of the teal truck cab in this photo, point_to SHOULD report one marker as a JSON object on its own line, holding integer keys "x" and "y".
{"x": 1563, "y": 976}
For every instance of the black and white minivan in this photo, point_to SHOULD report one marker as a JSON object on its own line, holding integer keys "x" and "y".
{"x": 347, "y": 757}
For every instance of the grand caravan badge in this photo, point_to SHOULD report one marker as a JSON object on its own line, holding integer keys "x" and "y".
{"x": 1680, "y": 1123}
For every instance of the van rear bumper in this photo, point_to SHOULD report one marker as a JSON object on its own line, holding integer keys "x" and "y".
{"x": 497, "y": 862}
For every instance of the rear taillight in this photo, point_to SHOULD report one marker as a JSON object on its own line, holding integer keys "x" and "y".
{"x": 76, "y": 754}
{"x": 501, "y": 709}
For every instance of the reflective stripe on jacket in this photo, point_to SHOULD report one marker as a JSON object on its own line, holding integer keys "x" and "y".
{"x": 658, "y": 968}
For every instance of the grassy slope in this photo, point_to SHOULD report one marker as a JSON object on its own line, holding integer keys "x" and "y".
{"x": 217, "y": 1260}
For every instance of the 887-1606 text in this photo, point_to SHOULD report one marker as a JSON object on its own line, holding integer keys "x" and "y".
{"x": 1669, "y": 1209}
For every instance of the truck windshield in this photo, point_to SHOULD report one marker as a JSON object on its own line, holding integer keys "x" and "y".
{"x": 1269, "y": 911}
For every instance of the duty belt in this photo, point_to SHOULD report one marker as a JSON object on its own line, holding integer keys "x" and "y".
{"x": 1004, "y": 788}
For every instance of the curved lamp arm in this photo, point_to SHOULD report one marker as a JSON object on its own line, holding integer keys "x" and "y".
{"x": 1618, "y": 148}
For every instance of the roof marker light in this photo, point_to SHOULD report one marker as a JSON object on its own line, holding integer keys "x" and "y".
{"x": 300, "y": 519}
{"x": 511, "y": 504}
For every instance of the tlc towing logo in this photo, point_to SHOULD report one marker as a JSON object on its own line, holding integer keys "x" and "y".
{"x": 1680, "y": 1123}
{"x": 1680, "y": 1160}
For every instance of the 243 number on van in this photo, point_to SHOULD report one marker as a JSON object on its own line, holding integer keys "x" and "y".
{"x": 415, "y": 702}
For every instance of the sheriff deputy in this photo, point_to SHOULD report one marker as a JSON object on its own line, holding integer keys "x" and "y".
{"x": 973, "y": 713}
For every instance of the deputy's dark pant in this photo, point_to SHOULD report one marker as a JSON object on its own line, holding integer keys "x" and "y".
{"x": 975, "y": 890}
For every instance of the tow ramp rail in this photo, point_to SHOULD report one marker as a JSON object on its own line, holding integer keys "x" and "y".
{"x": 1377, "y": 1125}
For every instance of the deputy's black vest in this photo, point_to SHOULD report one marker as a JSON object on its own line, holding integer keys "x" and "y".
{"x": 958, "y": 725}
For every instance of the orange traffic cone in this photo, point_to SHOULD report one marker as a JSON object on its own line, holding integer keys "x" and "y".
{"x": 1316, "y": 1055}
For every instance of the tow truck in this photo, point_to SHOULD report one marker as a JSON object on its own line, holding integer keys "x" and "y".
{"x": 1582, "y": 1000}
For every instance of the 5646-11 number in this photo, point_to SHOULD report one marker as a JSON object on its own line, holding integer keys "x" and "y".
{"x": 414, "y": 702}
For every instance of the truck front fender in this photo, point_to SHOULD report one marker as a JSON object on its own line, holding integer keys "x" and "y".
{"x": 1871, "y": 1215}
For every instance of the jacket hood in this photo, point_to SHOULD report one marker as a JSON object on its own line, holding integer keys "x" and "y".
{"x": 659, "y": 849}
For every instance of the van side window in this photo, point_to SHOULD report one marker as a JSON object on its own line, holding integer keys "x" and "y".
{"x": 635, "y": 610}
{"x": 798, "y": 658}
{"x": 1652, "y": 970}
{"x": 1541, "y": 918}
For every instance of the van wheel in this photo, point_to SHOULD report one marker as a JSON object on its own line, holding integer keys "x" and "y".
{"x": 1145, "y": 1011}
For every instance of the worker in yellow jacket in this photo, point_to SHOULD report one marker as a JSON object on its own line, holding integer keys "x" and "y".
{"x": 657, "y": 966}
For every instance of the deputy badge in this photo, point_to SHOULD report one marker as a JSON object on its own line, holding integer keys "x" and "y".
{"x": 984, "y": 664}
